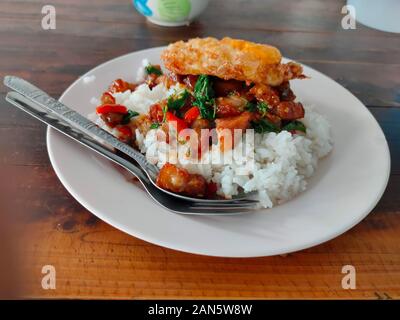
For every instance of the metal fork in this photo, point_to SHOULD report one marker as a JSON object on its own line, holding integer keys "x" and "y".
{"x": 177, "y": 205}
{"x": 79, "y": 122}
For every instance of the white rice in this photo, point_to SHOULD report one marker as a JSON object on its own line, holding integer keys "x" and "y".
{"x": 278, "y": 168}
{"x": 143, "y": 97}
{"x": 141, "y": 72}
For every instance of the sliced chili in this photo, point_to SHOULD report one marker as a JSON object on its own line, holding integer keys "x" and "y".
{"x": 180, "y": 124}
{"x": 125, "y": 133}
{"x": 191, "y": 115}
{"x": 107, "y": 98}
{"x": 115, "y": 108}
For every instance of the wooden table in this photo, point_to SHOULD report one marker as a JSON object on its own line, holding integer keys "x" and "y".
{"x": 95, "y": 260}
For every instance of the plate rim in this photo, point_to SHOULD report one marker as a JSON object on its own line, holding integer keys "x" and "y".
{"x": 181, "y": 247}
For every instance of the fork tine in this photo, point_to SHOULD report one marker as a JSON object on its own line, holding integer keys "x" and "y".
{"x": 243, "y": 197}
{"x": 225, "y": 205}
{"x": 224, "y": 209}
{"x": 219, "y": 211}
{"x": 205, "y": 202}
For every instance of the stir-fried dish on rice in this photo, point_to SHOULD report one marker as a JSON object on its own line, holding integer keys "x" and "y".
{"x": 224, "y": 86}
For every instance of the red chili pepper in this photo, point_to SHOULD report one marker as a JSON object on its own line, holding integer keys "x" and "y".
{"x": 156, "y": 112}
{"x": 119, "y": 85}
{"x": 107, "y": 108}
{"x": 211, "y": 190}
{"x": 180, "y": 124}
{"x": 107, "y": 98}
{"x": 191, "y": 115}
{"x": 125, "y": 132}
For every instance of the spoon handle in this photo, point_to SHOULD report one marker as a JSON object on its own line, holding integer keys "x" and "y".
{"x": 77, "y": 121}
{"x": 53, "y": 121}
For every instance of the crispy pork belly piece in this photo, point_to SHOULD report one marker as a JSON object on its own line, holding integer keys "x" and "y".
{"x": 226, "y": 129}
{"x": 179, "y": 180}
{"x": 266, "y": 94}
{"x": 241, "y": 121}
{"x": 230, "y": 59}
{"x": 142, "y": 123}
{"x": 230, "y": 106}
{"x": 289, "y": 110}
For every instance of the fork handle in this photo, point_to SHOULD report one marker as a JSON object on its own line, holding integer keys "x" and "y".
{"x": 77, "y": 121}
{"x": 29, "y": 107}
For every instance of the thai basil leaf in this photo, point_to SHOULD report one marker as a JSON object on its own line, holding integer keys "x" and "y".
{"x": 262, "y": 107}
{"x": 204, "y": 97}
{"x": 177, "y": 102}
{"x": 250, "y": 106}
{"x": 155, "y": 125}
{"x": 295, "y": 126}
{"x": 264, "y": 125}
{"x": 127, "y": 117}
{"x": 151, "y": 69}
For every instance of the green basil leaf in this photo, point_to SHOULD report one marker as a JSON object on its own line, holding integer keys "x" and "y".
{"x": 127, "y": 117}
{"x": 154, "y": 125}
{"x": 176, "y": 102}
{"x": 262, "y": 107}
{"x": 250, "y": 106}
{"x": 263, "y": 126}
{"x": 295, "y": 126}
{"x": 164, "y": 110}
{"x": 152, "y": 69}
{"x": 203, "y": 88}
{"x": 204, "y": 97}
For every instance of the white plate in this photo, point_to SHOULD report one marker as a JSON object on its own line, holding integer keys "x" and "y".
{"x": 346, "y": 187}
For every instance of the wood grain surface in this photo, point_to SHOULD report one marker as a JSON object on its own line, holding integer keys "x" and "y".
{"x": 95, "y": 260}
